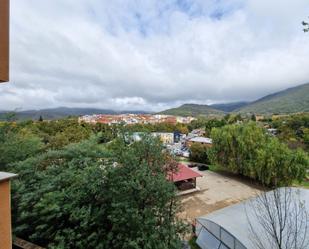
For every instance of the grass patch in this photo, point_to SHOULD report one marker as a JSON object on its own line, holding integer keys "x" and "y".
{"x": 218, "y": 169}
{"x": 214, "y": 168}
{"x": 192, "y": 243}
{"x": 182, "y": 159}
{"x": 303, "y": 184}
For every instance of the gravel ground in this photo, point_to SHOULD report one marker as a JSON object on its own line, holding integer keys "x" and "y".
{"x": 217, "y": 191}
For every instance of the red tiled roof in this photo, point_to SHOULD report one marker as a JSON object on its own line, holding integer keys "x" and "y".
{"x": 183, "y": 173}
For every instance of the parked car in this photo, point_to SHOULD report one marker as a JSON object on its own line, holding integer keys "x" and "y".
{"x": 203, "y": 167}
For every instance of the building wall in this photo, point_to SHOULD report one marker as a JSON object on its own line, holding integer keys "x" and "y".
{"x": 166, "y": 138}
{"x": 4, "y": 40}
{"x": 5, "y": 215}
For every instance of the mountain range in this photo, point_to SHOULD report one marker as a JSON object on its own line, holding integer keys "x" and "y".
{"x": 229, "y": 107}
{"x": 60, "y": 112}
{"x": 291, "y": 100}
{"x": 192, "y": 110}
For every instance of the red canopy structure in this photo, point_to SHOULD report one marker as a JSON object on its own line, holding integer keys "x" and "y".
{"x": 183, "y": 173}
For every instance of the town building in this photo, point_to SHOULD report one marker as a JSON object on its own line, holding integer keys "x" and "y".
{"x": 131, "y": 119}
{"x": 184, "y": 120}
{"x": 259, "y": 117}
{"x": 165, "y": 137}
{"x": 198, "y": 132}
{"x": 199, "y": 140}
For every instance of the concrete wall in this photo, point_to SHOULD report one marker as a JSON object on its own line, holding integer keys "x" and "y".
{"x": 4, "y": 40}
{"x": 5, "y": 215}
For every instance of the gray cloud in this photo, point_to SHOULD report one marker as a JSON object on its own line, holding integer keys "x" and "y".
{"x": 153, "y": 54}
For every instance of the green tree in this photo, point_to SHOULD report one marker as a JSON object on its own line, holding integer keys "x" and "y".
{"x": 306, "y": 136}
{"x": 89, "y": 195}
{"x": 58, "y": 134}
{"x": 107, "y": 133}
{"x": 143, "y": 197}
{"x": 235, "y": 147}
{"x": 234, "y": 118}
{"x": 278, "y": 166}
{"x": 10, "y": 116}
{"x": 199, "y": 153}
{"x": 213, "y": 123}
{"x": 17, "y": 146}
{"x": 246, "y": 149}
{"x": 293, "y": 130}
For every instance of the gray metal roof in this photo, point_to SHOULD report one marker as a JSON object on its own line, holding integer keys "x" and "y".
{"x": 232, "y": 222}
{"x": 5, "y": 176}
{"x": 201, "y": 140}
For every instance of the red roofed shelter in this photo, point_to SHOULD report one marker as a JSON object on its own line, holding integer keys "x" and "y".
{"x": 184, "y": 177}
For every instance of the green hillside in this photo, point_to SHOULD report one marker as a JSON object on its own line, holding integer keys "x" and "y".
{"x": 192, "y": 110}
{"x": 291, "y": 100}
{"x": 229, "y": 107}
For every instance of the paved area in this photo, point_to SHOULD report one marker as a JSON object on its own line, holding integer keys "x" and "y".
{"x": 217, "y": 191}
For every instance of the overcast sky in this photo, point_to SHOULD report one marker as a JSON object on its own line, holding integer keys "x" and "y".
{"x": 150, "y": 54}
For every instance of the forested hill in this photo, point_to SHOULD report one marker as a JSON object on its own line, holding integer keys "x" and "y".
{"x": 291, "y": 100}
{"x": 60, "y": 112}
{"x": 229, "y": 107}
{"x": 192, "y": 110}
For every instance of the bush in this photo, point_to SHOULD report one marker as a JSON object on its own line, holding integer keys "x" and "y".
{"x": 199, "y": 153}
{"x": 246, "y": 149}
{"x": 88, "y": 196}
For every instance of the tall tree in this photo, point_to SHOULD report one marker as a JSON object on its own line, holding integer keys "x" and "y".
{"x": 246, "y": 149}
{"x": 17, "y": 145}
{"x": 199, "y": 153}
{"x": 89, "y": 195}
{"x": 278, "y": 219}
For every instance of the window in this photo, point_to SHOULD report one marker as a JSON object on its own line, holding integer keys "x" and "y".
{"x": 213, "y": 228}
{"x": 207, "y": 240}
{"x": 227, "y": 238}
{"x": 222, "y": 246}
{"x": 238, "y": 245}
